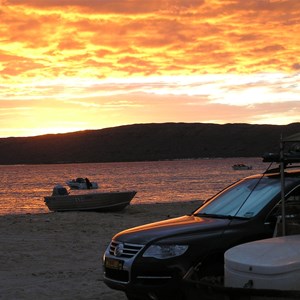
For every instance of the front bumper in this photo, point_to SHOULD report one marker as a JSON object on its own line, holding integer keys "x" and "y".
{"x": 130, "y": 272}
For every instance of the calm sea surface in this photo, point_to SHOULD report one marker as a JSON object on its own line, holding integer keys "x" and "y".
{"x": 24, "y": 186}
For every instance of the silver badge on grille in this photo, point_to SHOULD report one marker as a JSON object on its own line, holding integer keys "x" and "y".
{"x": 119, "y": 250}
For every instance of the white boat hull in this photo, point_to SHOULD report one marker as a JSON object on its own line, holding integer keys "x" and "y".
{"x": 103, "y": 201}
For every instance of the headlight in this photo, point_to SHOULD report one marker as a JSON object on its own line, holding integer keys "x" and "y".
{"x": 165, "y": 251}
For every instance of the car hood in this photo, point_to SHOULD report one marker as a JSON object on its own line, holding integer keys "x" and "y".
{"x": 185, "y": 225}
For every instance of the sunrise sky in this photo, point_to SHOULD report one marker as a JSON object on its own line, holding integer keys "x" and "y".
{"x": 69, "y": 65}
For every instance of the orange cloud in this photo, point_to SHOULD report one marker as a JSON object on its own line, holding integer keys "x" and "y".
{"x": 218, "y": 36}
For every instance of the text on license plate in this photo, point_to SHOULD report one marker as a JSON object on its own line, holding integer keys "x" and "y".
{"x": 114, "y": 264}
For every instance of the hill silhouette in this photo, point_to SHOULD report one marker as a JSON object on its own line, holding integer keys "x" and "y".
{"x": 146, "y": 142}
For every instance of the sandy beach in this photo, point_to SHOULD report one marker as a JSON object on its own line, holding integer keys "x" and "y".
{"x": 59, "y": 255}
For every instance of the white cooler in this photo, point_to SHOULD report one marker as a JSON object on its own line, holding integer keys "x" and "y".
{"x": 266, "y": 264}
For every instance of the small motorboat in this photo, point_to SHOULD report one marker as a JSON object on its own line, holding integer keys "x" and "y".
{"x": 62, "y": 200}
{"x": 241, "y": 167}
{"x": 81, "y": 184}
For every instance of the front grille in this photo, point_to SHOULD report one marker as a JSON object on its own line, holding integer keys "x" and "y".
{"x": 127, "y": 250}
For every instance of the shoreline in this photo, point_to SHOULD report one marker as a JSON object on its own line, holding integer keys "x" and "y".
{"x": 59, "y": 255}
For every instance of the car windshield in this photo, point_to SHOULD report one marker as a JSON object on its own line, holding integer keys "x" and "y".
{"x": 244, "y": 199}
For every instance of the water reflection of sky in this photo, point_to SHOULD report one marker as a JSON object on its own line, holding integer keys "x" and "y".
{"x": 23, "y": 187}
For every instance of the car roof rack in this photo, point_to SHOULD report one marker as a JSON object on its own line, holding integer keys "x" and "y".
{"x": 290, "y": 157}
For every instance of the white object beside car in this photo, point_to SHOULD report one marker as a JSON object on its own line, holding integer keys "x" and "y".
{"x": 264, "y": 264}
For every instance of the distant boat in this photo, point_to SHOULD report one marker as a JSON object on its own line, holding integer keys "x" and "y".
{"x": 100, "y": 201}
{"x": 241, "y": 167}
{"x": 81, "y": 184}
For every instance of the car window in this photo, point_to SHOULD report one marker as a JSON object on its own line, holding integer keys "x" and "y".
{"x": 292, "y": 202}
{"x": 244, "y": 199}
{"x": 294, "y": 196}
{"x": 292, "y": 214}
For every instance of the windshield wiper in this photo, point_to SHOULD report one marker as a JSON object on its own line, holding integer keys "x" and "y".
{"x": 212, "y": 216}
{"x": 229, "y": 217}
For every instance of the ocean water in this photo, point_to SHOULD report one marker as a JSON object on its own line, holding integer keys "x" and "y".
{"x": 24, "y": 186}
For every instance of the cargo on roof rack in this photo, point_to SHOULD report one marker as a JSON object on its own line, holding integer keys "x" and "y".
{"x": 292, "y": 155}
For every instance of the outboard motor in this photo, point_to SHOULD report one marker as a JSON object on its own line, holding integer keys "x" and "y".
{"x": 59, "y": 190}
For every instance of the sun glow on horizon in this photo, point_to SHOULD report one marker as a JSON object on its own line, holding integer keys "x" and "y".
{"x": 29, "y": 132}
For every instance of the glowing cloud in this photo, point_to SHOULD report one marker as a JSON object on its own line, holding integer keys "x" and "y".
{"x": 102, "y": 63}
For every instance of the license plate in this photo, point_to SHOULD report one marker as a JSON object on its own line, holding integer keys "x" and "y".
{"x": 113, "y": 264}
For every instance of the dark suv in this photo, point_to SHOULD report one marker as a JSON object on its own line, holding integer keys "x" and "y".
{"x": 151, "y": 261}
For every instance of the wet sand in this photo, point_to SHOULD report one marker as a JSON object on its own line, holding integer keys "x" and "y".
{"x": 59, "y": 255}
